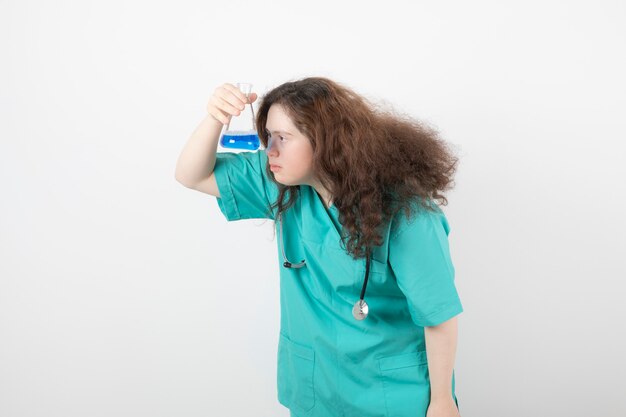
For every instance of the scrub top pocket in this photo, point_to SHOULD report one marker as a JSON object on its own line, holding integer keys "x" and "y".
{"x": 296, "y": 365}
{"x": 406, "y": 384}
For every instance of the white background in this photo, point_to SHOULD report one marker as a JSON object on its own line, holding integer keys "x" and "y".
{"x": 122, "y": 293}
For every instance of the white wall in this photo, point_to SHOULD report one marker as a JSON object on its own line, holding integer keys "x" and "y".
{"x": 120, "y": 291}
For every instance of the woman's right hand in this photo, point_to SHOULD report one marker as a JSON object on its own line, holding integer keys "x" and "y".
{"x": 227, "y": 100}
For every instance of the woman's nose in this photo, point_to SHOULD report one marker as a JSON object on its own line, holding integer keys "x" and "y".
{"x": 271, "y": 149}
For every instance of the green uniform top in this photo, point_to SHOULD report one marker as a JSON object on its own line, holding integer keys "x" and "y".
{"x": 330, "y": 364}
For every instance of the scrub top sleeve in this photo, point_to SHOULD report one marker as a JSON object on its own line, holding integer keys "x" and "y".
{"x": 246, "y": 191}
{"x": 419, "y": 256}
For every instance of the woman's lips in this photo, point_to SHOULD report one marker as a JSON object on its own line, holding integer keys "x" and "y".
{"x": 274, "y": 167}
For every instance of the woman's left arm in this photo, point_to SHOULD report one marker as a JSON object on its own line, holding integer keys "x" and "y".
{"x": 441, "y": 349}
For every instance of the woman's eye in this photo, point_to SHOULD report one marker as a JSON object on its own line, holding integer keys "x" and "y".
{"x": 281, "y": 138}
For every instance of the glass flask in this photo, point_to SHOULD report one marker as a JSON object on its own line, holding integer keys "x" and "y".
{"x": 241, "y": 133}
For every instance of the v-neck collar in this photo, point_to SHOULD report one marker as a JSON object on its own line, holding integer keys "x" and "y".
{"x": 321, "y": 225}
{"x": 320, "y": 218}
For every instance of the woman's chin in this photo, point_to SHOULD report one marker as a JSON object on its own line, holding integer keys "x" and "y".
{"x": 279, "y": 178}
{"x": 284, "y": 181}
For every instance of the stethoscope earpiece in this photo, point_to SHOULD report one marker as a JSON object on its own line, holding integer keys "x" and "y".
{"x": 288, "y": 264}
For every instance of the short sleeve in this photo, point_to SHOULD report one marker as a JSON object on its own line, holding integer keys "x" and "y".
{"x": 419, "y": 256}
{"x": 246, "y": 191}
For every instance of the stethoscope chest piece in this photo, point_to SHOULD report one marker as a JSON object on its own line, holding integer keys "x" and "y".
{"x": 360, "y": 310}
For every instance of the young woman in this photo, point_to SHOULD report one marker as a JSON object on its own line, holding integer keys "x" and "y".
{"x": 368, "y": 300}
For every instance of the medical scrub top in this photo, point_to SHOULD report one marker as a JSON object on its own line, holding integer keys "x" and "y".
{"x": 329, "y": 363}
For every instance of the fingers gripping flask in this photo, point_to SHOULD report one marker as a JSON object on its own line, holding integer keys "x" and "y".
{"x": 241, "y": 130}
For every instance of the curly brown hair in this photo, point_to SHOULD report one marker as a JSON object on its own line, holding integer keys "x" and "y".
{"x": 374, "y": 162}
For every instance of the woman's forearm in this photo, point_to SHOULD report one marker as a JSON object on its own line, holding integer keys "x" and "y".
{"x": 197, "y": 159}
{"x": 441, "y": 350}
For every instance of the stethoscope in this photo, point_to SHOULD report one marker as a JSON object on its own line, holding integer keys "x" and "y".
{"x": 360, "y": 309}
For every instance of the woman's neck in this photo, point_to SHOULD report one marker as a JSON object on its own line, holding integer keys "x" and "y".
{"x": 327, "y": 199}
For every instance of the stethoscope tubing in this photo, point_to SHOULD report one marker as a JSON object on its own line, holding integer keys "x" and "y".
{"x": 360, "y": 310}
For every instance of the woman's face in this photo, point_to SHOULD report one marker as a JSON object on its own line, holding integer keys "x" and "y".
{"x": 287, "y": 148}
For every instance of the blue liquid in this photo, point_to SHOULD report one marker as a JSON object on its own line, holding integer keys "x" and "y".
{"x": 240, "y": 140}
